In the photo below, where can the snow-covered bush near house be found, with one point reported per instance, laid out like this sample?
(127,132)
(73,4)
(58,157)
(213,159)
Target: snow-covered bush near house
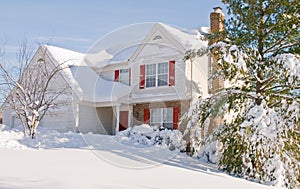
(210,151)
(258,137)
(256,142)
(147,135)
(259,144)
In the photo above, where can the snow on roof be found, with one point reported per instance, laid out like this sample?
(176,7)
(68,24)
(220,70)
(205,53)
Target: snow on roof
(120,45)
(94,88)
(188,39)
(66,56)
(84,81)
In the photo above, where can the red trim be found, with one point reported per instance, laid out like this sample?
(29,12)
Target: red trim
(147,115)
(117,73)
(142,76)
(171,72)
(175,117)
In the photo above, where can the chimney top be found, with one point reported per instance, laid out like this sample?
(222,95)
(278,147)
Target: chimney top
(218,9)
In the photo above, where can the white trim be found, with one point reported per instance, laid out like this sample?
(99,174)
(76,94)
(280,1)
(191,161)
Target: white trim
(118,118)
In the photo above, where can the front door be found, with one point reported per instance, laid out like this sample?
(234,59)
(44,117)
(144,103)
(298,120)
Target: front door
(123,124)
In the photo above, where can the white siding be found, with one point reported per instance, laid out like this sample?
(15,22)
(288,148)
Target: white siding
(9,118)
(62,119)
(88,119)
(199,77)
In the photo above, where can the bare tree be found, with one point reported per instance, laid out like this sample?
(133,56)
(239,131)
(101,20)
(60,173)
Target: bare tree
(28,86)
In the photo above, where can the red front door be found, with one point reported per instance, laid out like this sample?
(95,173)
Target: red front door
(123,124)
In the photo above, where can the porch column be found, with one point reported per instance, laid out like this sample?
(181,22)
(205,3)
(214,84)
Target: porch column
(130,117)
(118,118)
(77,117)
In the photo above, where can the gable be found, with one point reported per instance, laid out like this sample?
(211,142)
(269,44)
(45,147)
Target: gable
(158,43)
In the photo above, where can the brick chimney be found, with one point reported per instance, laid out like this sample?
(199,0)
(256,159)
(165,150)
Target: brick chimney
(216,25)
(217,20)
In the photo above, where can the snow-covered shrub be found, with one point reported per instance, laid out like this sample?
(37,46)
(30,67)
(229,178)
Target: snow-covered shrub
(255,147)
(147,135)
(258,137)
(210,151)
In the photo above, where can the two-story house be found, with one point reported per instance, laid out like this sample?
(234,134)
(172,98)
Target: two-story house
(121,83)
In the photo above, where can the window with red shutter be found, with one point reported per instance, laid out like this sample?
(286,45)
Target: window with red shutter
(175,117)
(171,72)
(117,73)
(142,76)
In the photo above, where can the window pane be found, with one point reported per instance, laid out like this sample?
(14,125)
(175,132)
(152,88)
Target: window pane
(123,70)
(163,68)
(162,117)
(168,115)
(150,81)
(151,69)
(155,115)
(163,80)
(124,76)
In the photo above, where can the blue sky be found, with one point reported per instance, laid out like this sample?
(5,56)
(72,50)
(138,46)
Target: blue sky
(77,24)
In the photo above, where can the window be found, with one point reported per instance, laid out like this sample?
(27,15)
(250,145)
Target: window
(124,76)
(162,75)
(157,75)
(162,117)
(151,75)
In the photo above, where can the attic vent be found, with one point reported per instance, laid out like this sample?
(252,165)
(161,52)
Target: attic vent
(40,60)
(158,37)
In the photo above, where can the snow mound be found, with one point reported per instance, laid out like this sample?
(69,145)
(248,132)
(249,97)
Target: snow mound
(150,136)
(142,129)
(14,139)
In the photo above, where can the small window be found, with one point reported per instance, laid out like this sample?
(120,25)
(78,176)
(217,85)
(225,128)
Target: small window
(162,117)
(151,75)
(124,76)
(162,75)
(157,75)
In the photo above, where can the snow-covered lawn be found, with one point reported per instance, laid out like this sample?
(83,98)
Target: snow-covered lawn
(70,160)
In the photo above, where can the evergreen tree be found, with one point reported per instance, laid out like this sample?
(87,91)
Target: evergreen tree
(259,59)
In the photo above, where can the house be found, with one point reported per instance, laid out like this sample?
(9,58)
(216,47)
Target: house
(136,75)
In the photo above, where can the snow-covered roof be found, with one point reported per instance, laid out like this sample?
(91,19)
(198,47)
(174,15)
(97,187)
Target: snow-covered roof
(65,56)
(188,39)
(84,81)
(94,88)
(120,45)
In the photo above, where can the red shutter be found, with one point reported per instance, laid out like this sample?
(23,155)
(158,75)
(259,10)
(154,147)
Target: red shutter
(175,117)
(117,73)
(171,72)
(129,77)
(147,115)
(142,76)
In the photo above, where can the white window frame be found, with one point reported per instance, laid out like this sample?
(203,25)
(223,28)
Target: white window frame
(162,119)
(122,78)
(156,74)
